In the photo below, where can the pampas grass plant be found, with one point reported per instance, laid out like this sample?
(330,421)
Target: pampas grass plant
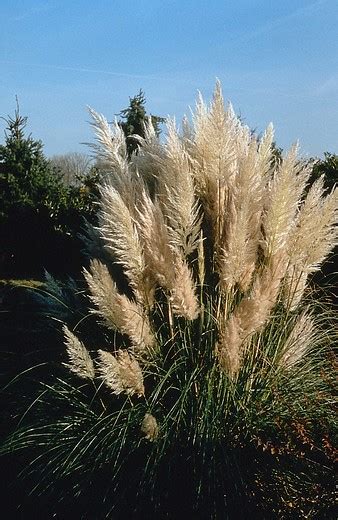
(209,375)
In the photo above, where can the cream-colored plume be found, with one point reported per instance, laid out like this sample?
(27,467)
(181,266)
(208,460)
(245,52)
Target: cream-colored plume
(164,261)
(149,157)
(121,372)
(282,202)
(201,260)
(119,233)
(312,239)
(265,155)
(183,294)
(242,227)
(110,148)
(149,427)
(213,158)
(80,362)
(117,310)
(250,315)
(299,341)
(112,159)
(155,242)
(176,193)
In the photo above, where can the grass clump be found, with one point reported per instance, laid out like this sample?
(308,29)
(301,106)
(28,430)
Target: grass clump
(209,373)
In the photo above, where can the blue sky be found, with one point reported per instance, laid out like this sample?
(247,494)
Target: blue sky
(278,61)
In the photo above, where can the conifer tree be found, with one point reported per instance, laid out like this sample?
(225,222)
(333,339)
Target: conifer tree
(327,167)
(26,176)
(31,192)
(135,118)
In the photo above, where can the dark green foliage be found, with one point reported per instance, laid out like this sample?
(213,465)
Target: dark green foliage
(31,196)
(277,154)
(81,203)
(328,276)
(327,167)
(135,118)
(27,181)
(40,217)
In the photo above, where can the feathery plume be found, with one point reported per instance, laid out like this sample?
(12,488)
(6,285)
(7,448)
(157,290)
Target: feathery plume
(282,202)
(121,373)
(118,312)
(156,243)
(317,232)
(177,193)
(149,157)
(80,362)
(228,347)
(119,232)
(165,263)
(265,152)
(136,325)
(242,227)
(250,315)
(104,294)
(112,157)
(255,309)
(149,427)
(187,132)
(110,148)
(299,341)
(212,155)
(183,295)
(312,239)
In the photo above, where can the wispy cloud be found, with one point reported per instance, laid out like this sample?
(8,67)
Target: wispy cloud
(81,69)
(328,86)
(275,23)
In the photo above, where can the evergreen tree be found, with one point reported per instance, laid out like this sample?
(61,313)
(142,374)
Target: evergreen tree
(31,198)
(135,117)
(26,177)
(329,168)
